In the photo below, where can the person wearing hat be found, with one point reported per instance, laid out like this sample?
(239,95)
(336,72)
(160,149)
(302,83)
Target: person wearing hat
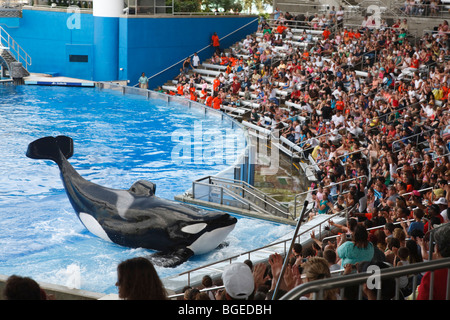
(238,281)
(433,211)
(438,193)
(416,200)
(443,206)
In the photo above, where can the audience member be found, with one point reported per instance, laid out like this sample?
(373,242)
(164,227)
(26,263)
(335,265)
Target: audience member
(23,288)
(137,279)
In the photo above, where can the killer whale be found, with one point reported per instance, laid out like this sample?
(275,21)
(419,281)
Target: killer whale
(135,218)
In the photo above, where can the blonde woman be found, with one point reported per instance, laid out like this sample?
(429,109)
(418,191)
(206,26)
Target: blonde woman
(316,268)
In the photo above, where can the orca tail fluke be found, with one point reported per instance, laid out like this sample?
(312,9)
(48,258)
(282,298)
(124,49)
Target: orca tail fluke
(170,259)
(49,148)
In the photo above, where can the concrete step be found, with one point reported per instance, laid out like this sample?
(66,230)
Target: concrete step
(12,65)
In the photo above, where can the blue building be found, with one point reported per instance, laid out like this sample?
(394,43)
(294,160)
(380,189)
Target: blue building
(104,44)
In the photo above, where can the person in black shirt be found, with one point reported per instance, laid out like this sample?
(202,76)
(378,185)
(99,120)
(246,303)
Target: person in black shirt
(327,112)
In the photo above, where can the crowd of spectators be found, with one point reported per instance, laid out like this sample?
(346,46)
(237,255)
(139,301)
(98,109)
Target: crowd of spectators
(424,7)
(369,106)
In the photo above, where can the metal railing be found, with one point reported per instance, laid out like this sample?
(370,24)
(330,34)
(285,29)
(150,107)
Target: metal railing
(199,51)
(327,186)
(8,43)
(318,287)
(389,272)
(421,10)
(238,194)
(12,4)
(158,7)
(368,230)
(395,147)
(248,254)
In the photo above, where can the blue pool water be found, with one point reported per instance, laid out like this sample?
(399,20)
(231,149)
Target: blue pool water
(117,140)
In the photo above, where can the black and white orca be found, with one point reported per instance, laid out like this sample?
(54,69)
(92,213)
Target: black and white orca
(136,218)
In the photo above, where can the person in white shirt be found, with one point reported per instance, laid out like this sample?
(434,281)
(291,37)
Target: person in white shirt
(296,130)
(338,119)
(337,93)
(340,17)
(195,60)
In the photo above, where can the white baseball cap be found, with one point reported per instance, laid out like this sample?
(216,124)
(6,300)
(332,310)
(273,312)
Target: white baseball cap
(441,201)
(238,280)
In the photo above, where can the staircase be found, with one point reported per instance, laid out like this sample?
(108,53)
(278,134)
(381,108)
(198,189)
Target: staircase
(12,57)
(237,195)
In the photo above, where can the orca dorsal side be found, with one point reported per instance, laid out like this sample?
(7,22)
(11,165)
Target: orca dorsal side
(143,188)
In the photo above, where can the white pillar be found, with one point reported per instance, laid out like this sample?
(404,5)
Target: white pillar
(106,39)
(108,8)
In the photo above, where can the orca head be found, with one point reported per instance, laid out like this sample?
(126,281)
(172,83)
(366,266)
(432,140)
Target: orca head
(210,233)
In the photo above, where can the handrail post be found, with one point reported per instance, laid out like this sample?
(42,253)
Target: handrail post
(286,258)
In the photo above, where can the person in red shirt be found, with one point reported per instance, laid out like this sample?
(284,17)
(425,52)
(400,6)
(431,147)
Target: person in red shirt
(180,89)
(216,84)
(215,42)
(191,88)
(415,62)
(340,105)
(442,238)
(305,55)
(235,86)
(351,34)
(209,101)
(281,28)
(326,33)
(217,102)
(224,60)
(203,95)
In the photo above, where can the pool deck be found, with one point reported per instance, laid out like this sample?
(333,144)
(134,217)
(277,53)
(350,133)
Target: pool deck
(49,80)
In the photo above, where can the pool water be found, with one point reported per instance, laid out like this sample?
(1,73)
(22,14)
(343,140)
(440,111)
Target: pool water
(117,141)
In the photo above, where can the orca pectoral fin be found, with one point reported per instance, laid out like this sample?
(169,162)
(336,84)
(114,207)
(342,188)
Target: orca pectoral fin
(171,259)
(223,245)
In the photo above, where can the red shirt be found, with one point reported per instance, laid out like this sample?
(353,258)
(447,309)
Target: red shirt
(440,285)
(216,84)
(236,86)
(215,40)
(281,28)
(216,103)
(209,101)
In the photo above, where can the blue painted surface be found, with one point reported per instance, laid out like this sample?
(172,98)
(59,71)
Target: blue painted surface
(106,44)
(155,44)
(10,22)
(139,45)
(44,35)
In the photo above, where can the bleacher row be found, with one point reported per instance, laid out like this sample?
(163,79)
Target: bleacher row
(295,38)
(209,71)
